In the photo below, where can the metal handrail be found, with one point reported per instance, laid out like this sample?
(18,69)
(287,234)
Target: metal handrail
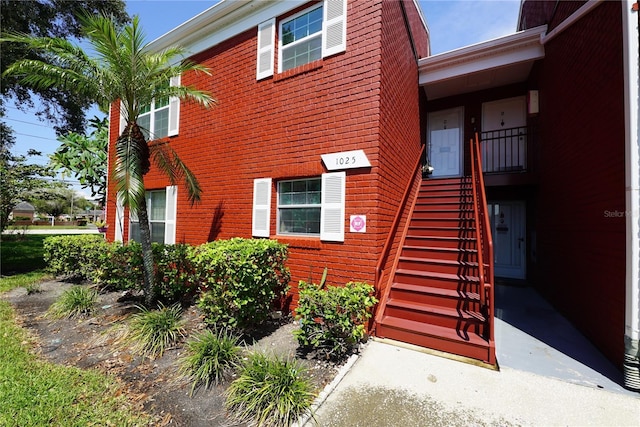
(484,238)
(394,225)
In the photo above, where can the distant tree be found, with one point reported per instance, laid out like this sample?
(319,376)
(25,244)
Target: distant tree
(85,158)
(54,199)
(49,18)
(123,69)
(17,177)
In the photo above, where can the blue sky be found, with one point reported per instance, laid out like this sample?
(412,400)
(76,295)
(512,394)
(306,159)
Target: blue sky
(452,24)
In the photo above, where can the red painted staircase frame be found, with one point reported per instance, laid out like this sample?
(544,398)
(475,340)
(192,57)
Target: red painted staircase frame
(441,293)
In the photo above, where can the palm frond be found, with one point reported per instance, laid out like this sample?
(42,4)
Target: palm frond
(129,166)
(168,161)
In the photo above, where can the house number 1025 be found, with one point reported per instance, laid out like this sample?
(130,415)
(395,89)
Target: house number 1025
(345,160)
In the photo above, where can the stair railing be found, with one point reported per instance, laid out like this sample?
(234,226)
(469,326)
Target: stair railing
(392,233)
(483,235)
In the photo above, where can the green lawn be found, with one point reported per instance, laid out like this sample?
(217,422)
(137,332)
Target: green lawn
(37,393)
(21,253)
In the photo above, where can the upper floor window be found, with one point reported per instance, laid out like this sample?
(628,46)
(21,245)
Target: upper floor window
(301,39)
(315,33)
(154,119)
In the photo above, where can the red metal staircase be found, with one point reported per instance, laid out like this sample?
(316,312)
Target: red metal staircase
(439,298)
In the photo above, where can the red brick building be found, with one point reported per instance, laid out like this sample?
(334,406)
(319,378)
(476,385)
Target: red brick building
(325,112)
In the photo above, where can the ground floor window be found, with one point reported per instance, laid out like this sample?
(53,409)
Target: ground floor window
(299,206)
(161,207)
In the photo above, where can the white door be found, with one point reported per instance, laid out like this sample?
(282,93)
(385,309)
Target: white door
(445,143)
(509,238)
(503,148)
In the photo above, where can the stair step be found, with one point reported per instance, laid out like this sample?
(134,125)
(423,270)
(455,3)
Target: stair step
(435,337)
(450,298)
(463,268)
(436,315)
(443,222)
(441,241)
(437,280)
(452,254)
(430,230)
(438,197)
(425,205)
(443,213)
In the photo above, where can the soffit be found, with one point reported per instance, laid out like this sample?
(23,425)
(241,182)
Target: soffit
(486,65)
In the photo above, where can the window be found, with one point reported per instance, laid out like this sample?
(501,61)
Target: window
(161,208)
(301,39)
(299,206)
(154,119)
(306,207)
(160,118)
(310,35)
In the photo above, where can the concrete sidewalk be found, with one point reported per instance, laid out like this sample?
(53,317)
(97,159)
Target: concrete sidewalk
(550,375)
(395,386)
(54,231)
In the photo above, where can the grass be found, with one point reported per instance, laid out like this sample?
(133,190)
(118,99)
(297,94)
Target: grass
(270,391)
(75,301)
(209,356)
(37,393)
(22,253)
(151,332)
(24,280)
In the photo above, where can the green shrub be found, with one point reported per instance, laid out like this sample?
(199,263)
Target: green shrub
(241,279)
(120,267)
(75,301)
(209,357)
(175,272)
(151,332)
(269,391)
(75,255)
(333,321)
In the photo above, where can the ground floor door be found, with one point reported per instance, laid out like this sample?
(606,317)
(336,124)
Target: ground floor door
(445,142)
(509,238)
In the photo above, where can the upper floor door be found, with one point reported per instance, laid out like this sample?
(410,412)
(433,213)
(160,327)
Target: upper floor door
(504,145)
(445,134)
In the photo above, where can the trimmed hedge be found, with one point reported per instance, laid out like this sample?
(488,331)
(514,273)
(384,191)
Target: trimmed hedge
(78,256)
(240,280)
(333,320)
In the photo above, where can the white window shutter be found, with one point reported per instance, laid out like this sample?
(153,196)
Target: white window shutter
(261,224)
(171,211)
(119,224)
(174,109)
(266,36)
(334,27)
(123,120)
(332,212)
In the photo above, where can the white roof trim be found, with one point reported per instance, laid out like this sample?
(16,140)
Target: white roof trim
(512,49)
(221,22)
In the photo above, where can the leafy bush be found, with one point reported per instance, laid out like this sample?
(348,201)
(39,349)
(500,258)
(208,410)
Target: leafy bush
(175,272)
(120,267)
(269,391)
(75,301)
(151,332)
(209,356)
(333,321)
(241,278)
(75,255)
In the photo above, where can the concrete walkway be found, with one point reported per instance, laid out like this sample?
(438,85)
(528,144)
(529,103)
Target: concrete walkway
(549,375)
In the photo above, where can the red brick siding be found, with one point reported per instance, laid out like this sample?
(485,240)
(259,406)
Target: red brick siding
(278,127)
(581,251)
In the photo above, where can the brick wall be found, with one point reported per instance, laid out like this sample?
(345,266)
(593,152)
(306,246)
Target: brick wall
(278,127)
(581,249)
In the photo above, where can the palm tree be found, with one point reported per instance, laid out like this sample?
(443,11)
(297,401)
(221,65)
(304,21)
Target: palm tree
(123,68)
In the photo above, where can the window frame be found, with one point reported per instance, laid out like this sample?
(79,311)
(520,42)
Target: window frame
(168,223)
(280,207)
(320,34)
(152,120)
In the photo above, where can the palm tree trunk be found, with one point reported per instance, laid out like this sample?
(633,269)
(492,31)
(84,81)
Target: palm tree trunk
(149,288)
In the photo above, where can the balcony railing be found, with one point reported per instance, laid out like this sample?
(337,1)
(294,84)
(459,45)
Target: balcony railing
(507,150)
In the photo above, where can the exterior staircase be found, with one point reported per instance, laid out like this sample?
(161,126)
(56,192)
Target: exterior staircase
(435,298)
